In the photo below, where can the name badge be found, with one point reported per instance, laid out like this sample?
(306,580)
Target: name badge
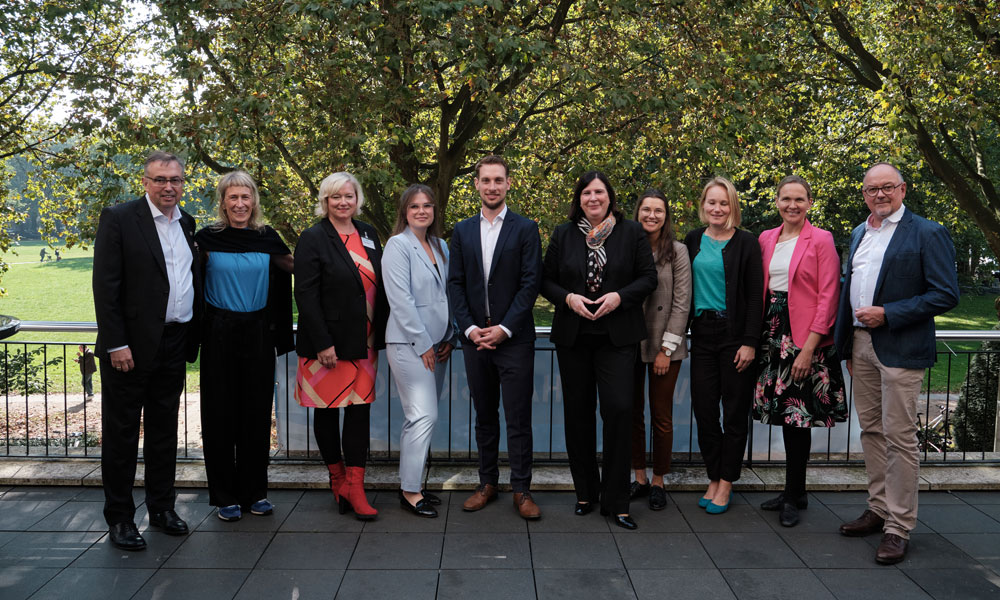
(368,243)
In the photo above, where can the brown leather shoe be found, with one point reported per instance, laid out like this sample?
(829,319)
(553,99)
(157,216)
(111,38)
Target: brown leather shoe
(483,495)
(867,524)
(892,549)
(526,507)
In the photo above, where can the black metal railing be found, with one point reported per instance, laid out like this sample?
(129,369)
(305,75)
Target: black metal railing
(46,414)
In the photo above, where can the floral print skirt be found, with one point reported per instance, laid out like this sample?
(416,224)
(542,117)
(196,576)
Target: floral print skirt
(816,401)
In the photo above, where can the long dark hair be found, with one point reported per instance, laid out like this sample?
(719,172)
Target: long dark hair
(434,231)
(663,248)
(576,211)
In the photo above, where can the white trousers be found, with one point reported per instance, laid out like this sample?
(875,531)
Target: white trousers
(419,390)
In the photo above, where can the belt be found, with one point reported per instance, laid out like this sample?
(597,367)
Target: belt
(713,314)
(215,311)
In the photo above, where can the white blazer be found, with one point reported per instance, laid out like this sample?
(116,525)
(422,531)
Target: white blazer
(419,314)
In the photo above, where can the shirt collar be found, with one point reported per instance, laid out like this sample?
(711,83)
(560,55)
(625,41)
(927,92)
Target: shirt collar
(500,217)
(894,218)
(156,211)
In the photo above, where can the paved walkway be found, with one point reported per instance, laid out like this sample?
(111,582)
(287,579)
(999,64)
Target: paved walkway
(53,544)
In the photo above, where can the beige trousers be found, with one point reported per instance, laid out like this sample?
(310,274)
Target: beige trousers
(886,401)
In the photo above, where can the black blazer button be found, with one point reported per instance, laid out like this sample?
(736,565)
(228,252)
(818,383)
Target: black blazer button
(659,308)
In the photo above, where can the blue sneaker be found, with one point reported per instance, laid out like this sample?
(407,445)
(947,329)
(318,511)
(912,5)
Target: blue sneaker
(230,513)
(262,507)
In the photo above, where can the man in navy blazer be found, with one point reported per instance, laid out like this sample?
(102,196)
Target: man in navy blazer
(493,279)
(900,275)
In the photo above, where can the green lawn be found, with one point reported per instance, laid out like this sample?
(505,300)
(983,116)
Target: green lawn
(61,291)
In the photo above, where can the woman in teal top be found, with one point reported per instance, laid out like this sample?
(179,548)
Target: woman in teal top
(725,331)
(248,319)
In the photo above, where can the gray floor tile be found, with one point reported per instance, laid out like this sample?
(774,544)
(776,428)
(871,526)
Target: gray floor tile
(739,517)
(680,584)
(46,549)
(398,551)
(689,499)
(829,550)
(19,515)
(668,520)
(992,510)
(749,551)
(192,584)
(486,551)
(96,494)
(379,585)
(654,551)
(927,551)
(317,499)
(42,493)
(74,516)
(6,536)
(875,582)
(956,584)
(297,585)
(484,584)
(394,518)
(104,555)
(562,519)
(94,584)
(309,551)
(248,522)
(287,498)
(936,498)
(216,550)
(984,547)
(498,517)
(976,497)
(192,495)
(815,519)
(547,498)
(574,551)
(776,584)
(19,581)
(560,584)
(958,519)
(314,518)
(831,498)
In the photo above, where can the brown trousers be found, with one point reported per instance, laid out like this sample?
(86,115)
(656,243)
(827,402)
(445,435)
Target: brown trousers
(661,416)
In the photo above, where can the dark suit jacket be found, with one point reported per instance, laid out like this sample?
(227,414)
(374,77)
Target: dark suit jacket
(130,282)
(630,271)
(917,281)
(331,297)
(514,276)
(744,284)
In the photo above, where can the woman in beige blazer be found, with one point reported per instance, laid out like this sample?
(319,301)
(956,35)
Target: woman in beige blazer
(666,311)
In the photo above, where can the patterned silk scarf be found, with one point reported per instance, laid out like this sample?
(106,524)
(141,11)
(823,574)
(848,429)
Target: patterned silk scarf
(596,256)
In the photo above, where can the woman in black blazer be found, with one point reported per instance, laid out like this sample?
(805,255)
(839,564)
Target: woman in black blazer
(342,316)
(728,285)
(598,269)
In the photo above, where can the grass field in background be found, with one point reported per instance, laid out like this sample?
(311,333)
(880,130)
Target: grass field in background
(61,291)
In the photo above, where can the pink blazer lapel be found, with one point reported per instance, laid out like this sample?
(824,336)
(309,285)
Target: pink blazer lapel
(801,246)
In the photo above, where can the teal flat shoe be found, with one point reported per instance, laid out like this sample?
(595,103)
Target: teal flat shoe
(703,502)
(715,509)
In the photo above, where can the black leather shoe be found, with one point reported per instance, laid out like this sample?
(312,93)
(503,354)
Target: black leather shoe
(423,508)
(432,498)
(126,536)
(789,516)
(169,522)
(777,502)
(625,522)
(657,498)
(583,508)
(638,490)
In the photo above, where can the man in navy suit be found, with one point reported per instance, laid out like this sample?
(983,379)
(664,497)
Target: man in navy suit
(493,280)
(901,273)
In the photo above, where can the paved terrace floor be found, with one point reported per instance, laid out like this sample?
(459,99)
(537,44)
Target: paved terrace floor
(53,544)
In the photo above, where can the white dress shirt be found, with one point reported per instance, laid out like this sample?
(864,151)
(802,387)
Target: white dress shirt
(868,258)
(781,264)
(489,233)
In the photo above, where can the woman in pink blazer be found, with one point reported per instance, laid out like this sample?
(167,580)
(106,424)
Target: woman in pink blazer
(800,385)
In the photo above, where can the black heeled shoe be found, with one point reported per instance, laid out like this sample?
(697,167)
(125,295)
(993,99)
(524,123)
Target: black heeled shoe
(583,508)
(423,508)
(625,522)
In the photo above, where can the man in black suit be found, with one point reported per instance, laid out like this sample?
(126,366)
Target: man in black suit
(147,290)
(493,279)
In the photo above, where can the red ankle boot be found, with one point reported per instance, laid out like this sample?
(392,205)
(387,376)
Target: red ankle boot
(337,477)
(352,495)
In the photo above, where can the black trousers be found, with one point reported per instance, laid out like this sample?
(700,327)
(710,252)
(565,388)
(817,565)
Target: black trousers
(237,392)
(150,392)
(326,429)
(798,442)
(509,368)
(714,378)
(589,369)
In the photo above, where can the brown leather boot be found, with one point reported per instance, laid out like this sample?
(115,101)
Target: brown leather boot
(526,507)
(483,495)
(352,495)
(337,477)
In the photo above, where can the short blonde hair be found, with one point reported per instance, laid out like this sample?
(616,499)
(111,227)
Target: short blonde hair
(734,219)
(237,179)
(331,185)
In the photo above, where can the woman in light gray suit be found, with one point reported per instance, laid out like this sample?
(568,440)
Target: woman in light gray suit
(420,334)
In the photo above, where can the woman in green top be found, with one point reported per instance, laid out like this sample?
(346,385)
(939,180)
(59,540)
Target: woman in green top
(725,331)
